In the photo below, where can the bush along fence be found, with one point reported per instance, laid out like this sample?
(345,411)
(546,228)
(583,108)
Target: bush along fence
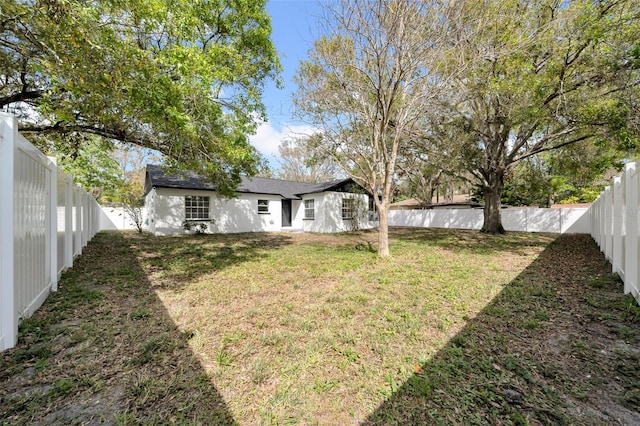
(615,224)
(45,221)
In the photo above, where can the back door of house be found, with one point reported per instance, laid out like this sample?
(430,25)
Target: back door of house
(286,212)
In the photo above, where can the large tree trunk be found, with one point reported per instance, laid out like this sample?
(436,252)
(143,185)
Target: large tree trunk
(383,231)
(492,193)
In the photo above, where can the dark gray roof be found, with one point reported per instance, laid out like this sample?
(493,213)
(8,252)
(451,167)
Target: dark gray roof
(157,178)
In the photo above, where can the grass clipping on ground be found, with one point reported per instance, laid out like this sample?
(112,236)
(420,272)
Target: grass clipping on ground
(456,327)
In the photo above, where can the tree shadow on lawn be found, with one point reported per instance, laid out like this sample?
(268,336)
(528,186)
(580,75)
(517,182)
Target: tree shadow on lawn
(104,349)
(559,345)
(181,259)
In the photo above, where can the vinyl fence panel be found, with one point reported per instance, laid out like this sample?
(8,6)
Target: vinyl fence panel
(519,220)
(32,227)
(44,222)
(617,255)
(615,226)
(8,323)
(632,238)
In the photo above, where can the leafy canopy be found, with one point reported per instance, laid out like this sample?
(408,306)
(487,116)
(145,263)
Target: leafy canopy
(183,77)
(535,77)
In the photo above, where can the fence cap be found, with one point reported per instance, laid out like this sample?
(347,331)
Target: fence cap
(571,206)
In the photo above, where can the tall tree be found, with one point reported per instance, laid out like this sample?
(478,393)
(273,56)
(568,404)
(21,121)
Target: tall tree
(299,163)
(183,77)
(93,166)
(367,83)
(132,161)
(420,176)
(575,173)
(536,76)
(130,194)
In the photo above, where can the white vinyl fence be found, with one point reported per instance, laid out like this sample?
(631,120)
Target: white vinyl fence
(45,220)
(563,220)
(117,218)
(615,225)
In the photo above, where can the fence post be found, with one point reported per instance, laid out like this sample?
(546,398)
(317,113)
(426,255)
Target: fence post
(594,214)
(8,320)
(603,222)
(631,240)
(596,218)
(600,220)
(90,212)
(96,218)
(609,223)
(68,218)
(85,219)
(53,222)
(616,261)
(77,200)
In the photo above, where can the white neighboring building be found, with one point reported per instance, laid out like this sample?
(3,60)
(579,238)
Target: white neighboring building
(260,204)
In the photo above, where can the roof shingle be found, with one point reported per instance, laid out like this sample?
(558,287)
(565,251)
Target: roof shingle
(256,185)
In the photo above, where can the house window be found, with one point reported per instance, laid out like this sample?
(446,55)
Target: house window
(309,209)
(263,206)
(196,207)
(348,205)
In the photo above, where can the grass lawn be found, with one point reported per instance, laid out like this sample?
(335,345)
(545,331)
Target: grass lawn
(456,327)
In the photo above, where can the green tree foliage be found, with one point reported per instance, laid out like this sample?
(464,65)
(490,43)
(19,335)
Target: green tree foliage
(578,173)
(528,183)
(423,174)
(177,76)
(419,177)
(93,166)
(574,173)
(534,77)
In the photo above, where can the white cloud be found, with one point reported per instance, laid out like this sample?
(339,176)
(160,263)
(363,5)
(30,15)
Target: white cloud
(267,138)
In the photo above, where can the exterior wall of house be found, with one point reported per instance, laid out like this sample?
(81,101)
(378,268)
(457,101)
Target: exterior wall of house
(297,215)
(149,219)
(241,214)
(229,215)
(328,213)
(166,212)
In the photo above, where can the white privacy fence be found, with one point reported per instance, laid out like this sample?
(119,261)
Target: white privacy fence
(45,220)
(571,220)
(615,224)
(118,218)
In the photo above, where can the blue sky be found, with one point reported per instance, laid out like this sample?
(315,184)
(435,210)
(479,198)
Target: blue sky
(294,29)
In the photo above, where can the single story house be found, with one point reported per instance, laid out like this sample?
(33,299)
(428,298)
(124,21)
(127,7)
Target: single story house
(176,202)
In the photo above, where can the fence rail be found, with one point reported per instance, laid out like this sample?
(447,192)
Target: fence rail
(615,226)
(45,220)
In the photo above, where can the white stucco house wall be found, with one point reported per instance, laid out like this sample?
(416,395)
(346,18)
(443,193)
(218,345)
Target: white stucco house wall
(259,205)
